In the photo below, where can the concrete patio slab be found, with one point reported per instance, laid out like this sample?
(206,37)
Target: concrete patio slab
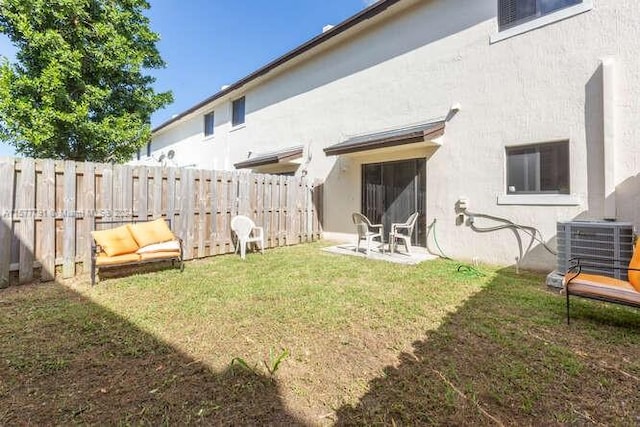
(417,256)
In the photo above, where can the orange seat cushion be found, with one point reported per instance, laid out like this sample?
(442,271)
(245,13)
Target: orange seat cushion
(149,233)
(634,276)
(596,286)
(104,260)
(116,241)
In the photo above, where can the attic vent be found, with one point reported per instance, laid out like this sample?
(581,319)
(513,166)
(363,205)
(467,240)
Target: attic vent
(605,244)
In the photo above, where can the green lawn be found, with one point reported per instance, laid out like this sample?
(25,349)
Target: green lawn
(360,342)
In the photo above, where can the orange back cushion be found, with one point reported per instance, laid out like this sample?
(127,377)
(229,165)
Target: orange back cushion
(634,276)
(149,233)
(117,241)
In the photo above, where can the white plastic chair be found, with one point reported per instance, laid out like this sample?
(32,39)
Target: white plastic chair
(246,232)
(402,231)
(367,231)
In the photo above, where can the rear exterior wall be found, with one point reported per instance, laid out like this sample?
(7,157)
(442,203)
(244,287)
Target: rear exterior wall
(535,87)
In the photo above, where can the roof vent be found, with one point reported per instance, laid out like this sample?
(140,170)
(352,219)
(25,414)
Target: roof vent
(223,87)
(327,28)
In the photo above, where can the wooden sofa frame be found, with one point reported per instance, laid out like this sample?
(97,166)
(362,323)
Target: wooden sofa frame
(96,249)
(575,268)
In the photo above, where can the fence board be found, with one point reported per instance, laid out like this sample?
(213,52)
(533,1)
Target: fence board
(309,237)
(117,191)
(25,205)
(143,192)
(202,217)
(228,208)
(259,200)
(268,210)
(292,211)
(48,237)
(232,191)
(106,210)
(242,197)
(87,207)
(186,211)
(298,211)
(157,192)
(171,197)
(69,221)
(215,209)
(282,212)
(7,172)
(220,200)
(127,193)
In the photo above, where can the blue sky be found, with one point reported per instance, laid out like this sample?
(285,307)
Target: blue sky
(210,43)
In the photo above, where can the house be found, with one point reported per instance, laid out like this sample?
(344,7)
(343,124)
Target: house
(524,110)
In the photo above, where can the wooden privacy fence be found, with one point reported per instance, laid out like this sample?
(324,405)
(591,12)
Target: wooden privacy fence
(48,208)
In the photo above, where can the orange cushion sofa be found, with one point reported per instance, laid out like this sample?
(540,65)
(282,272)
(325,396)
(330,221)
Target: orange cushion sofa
(134,242)
(603,288)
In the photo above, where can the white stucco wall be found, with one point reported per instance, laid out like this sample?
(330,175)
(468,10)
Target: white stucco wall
(535,87)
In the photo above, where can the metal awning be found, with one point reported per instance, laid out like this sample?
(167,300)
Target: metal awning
(391,138)
(274,157)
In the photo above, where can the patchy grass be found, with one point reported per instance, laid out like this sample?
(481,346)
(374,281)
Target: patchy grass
(315,338)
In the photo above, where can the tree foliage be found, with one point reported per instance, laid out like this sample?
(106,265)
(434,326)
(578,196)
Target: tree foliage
(79,89)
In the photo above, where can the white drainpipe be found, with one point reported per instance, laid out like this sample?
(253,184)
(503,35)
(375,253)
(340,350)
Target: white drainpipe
(609,122)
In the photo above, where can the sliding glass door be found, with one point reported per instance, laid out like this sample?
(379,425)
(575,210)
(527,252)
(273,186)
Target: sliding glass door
(392,191)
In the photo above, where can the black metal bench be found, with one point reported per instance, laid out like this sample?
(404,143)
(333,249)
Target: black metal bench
(599,287)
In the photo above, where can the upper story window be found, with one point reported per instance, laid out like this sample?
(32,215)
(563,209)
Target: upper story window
(515,12)
(237,112)
(538,169)
(209,124)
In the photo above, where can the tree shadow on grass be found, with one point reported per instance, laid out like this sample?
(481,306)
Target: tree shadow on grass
(507,356)
(66,360)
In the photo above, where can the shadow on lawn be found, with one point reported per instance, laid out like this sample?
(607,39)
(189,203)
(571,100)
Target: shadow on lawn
(507,356)
(66,360)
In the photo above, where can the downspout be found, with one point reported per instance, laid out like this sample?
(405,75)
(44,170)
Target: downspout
(609,136)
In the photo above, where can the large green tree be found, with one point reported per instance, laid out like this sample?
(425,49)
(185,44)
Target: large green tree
(79,89)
